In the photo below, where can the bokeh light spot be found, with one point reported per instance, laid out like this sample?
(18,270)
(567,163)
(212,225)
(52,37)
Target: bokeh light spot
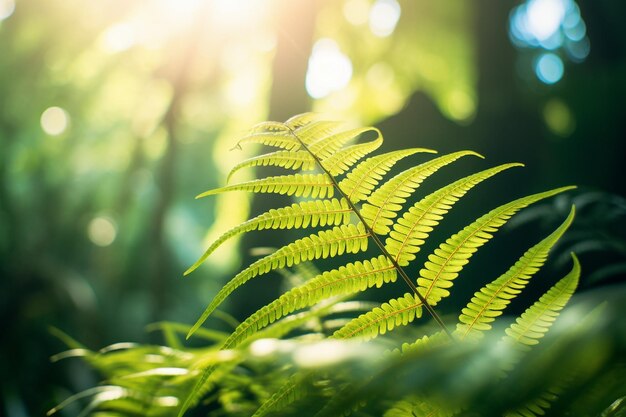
(577,32)
(356,11)
(237,14)
(460,105)
(119,37)
(326,353)
(102,231)
(550,25)
(380,75)
(241,91)
(54,121)
(166,401)
(384,16)
(544,17)
(549,68)
(578,51)
(559,118)
(7,7)
(329,69)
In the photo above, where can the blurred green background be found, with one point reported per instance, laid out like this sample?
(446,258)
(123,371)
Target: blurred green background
(114,115)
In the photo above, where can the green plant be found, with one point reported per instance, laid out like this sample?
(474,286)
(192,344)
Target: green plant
(381,220)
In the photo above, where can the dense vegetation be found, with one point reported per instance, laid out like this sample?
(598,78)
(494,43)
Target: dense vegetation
(274,362)
(115,114)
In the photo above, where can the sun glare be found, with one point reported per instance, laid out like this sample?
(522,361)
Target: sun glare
(237,14)
(119,37)
(329,69)
(152,24)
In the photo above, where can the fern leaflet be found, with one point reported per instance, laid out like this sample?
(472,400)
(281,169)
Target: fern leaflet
(361,181)
(382,205)
(312,132)
(538,318)
(444,265)
(397,312)
(299,185)
(298,215)
(285,159)
(341,161)
(326,146)
(488,303)
(454,254)
(411,230)
(347,279)
(343,239)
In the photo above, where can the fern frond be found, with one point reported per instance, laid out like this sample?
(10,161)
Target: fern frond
(343,239)
(299,215)
(286,324)
(420,407)
(302,119)
(537,319)
(269,127)
(326,146)
(426,343)
(383,204)
(491,300)
(272,134)
(300,185)
(290,392)
(341,161)
(279,329)
(397,312)
(360,182)
(444,265)
(284,159)
(535,407)
(312,132)
(347,279)
(411,230)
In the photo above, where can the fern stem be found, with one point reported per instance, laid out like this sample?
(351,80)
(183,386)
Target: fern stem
(376,239)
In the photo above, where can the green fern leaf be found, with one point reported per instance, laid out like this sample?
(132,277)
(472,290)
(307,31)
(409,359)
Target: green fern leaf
(538,318)
(348,279)
(328,145)
(300,185)
(411,230)
(386,201)
(320,130)
(290,392)
(397,312)
(360,182)
(341,161)
(422,407)
(299,215)
(285,159)
(212,374)
(302,119)
(272,134)
(444,265)
(269,127)
(425,343)
(535,407)
(328,243)
(491,300)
